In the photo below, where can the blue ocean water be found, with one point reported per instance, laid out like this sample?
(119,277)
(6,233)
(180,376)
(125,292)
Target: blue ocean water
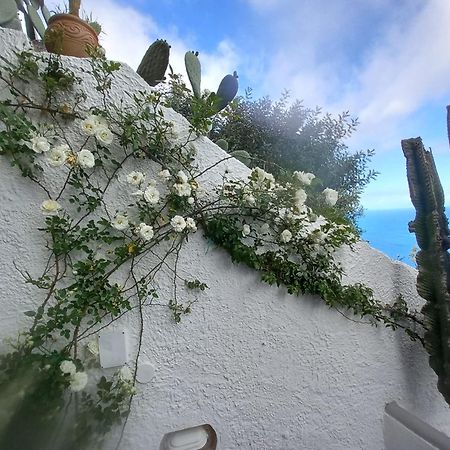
(387,230)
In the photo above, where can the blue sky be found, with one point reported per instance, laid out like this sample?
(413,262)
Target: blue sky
(386,61)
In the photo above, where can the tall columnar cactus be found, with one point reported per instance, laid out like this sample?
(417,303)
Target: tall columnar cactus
(154,63)
(8,15)
(30,9)
(227,90)
(433,260)
(33,21)
(194,72)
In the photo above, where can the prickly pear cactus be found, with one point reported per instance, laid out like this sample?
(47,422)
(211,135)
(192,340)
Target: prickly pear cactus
(194,72)
(8,15)
(227,90)
(154,63)
(433,260)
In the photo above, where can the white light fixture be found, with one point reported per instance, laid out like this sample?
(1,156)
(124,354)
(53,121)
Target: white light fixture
(202,437)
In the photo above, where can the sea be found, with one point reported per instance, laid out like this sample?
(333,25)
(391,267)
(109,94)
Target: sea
(387,230)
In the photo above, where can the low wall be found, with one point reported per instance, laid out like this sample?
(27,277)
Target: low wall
(267,370)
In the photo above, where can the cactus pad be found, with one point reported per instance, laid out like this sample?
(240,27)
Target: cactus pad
(154,63)
(8,12)
(227,90)
(194,71)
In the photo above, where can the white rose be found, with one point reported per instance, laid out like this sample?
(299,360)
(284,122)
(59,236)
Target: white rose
(89,126)
(164,174)
(125,374)
(300,197)
(331,196)
(249,199)
(286,236)
(57,155)
(120,222)
(246,230)
(178,223)
(104,135)
(182,176)
(151,195)
(50,207)
(78,381)
(182,189)
(135,178)
(68,367)
(304,178)
(145,231)
(85,159)
(190,224)
(39,144)
(191,200)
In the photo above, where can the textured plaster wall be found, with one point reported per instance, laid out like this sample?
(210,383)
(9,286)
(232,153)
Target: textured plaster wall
(265,369)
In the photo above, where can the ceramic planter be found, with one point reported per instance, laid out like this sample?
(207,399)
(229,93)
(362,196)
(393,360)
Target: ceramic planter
(68,35)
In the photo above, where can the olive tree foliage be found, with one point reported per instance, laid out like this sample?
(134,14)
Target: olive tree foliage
(284,136)
(288,136)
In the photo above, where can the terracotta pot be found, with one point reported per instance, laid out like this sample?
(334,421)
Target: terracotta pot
(67,34)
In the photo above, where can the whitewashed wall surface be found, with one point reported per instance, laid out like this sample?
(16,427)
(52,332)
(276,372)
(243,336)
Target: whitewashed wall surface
(267,370)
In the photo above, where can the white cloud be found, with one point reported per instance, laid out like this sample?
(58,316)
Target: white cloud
(381,59)
(128,34)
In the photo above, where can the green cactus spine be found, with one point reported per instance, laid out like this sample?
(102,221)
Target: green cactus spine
(194,71)
(433,261)
(154,63)
(227,90)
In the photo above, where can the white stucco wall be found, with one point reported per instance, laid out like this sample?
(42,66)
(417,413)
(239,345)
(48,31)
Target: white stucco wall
(265,369)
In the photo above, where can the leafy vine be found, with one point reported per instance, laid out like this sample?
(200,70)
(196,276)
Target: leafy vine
(103,260)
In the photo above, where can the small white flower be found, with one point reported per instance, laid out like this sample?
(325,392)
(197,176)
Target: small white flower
(39,144)
(85,159)
(89,126)
(145,231)
(68,367)
(164,174)
(300,198)
(191,225)
(125,374)
(50,207)
(182,189)
(331,196)
(151,195)
(286,236)
(304,177)
(104,135)
(78,381)
(191,200)
(135,178)
(57,155)
(178,223)
(182,177)
(246,230)
(120,222)
(249,199)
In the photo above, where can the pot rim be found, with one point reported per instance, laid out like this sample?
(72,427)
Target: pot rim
(74,18)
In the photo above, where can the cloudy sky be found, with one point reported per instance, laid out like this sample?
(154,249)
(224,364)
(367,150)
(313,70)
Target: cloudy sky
(386,61)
